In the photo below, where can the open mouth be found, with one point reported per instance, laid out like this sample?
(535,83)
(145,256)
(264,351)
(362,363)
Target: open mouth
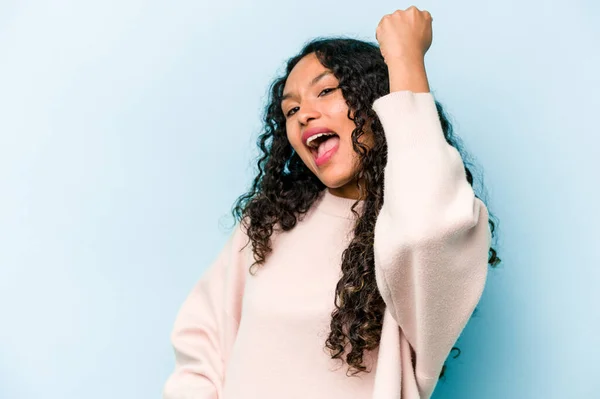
(322,148)
(322,144)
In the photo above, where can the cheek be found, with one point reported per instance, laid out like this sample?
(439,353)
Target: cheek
(339,107)
(339,110)
(294,141)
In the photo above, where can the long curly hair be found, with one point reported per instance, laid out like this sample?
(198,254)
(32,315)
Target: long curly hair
(284,189)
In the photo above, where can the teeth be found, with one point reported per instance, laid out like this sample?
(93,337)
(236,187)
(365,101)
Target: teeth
(311,139)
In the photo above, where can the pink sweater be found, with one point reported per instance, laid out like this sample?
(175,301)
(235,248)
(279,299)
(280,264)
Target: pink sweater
(239,336)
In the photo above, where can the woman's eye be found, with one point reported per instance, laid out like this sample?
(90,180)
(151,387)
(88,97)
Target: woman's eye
(324,90)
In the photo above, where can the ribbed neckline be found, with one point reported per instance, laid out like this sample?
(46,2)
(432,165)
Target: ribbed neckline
(337,206)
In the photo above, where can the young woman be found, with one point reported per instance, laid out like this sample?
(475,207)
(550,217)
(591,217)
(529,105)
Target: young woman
(369,245)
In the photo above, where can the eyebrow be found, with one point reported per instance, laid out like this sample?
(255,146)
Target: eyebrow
(312,83)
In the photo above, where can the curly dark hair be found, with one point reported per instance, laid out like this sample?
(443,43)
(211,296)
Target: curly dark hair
(285,189)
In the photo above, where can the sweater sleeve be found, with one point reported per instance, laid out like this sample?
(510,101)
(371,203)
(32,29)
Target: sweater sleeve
(206,326)
(432,236)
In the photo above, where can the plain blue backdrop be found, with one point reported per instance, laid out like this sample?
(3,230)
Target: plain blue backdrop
(128,128)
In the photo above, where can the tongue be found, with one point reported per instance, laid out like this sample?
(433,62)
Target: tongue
(327,145)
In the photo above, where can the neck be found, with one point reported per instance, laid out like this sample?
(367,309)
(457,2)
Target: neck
(349,190)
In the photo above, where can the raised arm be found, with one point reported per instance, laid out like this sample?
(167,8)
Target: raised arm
(206,326)
(431,236)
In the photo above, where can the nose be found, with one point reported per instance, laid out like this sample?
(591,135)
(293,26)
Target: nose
(306,113)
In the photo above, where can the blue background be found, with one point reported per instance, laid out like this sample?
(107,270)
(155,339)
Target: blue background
(128,128)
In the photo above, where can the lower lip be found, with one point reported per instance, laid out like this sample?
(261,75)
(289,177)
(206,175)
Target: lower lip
(327,156)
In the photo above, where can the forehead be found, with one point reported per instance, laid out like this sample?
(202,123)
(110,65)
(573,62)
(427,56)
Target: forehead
(306,72)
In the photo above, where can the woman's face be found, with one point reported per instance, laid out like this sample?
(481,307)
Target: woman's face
(312,99)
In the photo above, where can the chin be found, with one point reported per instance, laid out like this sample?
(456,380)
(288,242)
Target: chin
(336,177)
